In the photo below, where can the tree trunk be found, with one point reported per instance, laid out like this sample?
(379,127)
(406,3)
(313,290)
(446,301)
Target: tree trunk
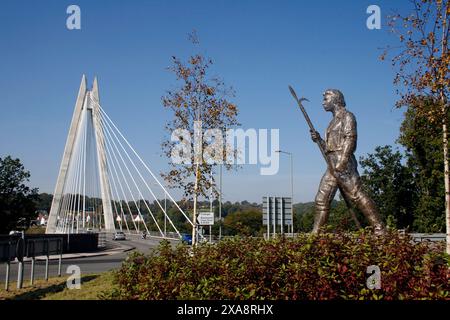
(446,177)
(443,99)
(194,214)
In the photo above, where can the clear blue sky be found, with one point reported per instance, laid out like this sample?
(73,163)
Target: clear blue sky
(259,47)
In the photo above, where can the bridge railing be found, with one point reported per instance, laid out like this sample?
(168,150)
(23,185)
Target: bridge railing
(429,237)
(17,247)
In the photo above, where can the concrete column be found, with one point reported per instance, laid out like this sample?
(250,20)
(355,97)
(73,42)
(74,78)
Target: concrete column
(68,150)
(105,187)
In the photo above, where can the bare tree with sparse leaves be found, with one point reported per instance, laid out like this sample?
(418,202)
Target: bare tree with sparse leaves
(198,98)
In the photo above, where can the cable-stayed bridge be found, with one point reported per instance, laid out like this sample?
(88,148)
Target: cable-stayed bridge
(103,183)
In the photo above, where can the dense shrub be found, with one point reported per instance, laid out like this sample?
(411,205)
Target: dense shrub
(327,266)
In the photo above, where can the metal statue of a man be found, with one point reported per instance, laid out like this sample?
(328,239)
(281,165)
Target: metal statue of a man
(339,146)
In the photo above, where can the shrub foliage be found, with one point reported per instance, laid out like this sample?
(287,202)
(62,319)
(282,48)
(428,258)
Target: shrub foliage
(326,266)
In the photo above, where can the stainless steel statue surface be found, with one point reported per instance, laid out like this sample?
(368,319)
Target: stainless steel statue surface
(338,147)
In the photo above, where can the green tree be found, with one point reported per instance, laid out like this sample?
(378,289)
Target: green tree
(422,61)
(17,200)
(390,184)
(304,220)
(243,223)
(44,202)
(340,217)
(423,144)
(339,220)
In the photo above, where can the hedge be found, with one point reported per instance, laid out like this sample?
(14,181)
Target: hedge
(308,267)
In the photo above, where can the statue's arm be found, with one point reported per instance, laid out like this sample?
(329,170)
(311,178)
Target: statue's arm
(349,143)
(318,139)
(323,144)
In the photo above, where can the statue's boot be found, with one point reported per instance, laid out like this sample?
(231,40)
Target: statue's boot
(321,218)
(368,207)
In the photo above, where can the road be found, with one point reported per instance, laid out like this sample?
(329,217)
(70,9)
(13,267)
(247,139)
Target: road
(87,264)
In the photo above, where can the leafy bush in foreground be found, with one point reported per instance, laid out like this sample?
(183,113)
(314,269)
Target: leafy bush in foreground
(326,266)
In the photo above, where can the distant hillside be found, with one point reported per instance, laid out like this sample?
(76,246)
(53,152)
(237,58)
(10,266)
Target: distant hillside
(303,207)
(45,200)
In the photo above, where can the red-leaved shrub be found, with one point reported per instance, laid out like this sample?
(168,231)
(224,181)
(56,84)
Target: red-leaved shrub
(325,266)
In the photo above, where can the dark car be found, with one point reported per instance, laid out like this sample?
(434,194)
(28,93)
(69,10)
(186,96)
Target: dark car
(186,238)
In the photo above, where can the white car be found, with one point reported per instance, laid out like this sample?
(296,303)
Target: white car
(119,236)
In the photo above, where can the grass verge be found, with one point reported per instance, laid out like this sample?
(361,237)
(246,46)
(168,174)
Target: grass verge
(92,286)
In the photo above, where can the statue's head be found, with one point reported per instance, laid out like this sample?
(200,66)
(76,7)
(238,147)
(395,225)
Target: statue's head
(332,99)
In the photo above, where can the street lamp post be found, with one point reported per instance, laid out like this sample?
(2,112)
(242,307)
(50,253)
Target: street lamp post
(165,214)
(220,202)
(292,185)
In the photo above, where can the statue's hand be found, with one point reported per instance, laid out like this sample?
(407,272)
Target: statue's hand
(315,136)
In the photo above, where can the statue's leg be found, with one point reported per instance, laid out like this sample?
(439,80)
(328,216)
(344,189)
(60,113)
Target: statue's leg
(354,190)
(325,194)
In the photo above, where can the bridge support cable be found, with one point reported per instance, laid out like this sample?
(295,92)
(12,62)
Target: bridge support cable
(114,162)
(114,137)
(107,129)
(117,181)
(110,151)
(113,128)
(111,124)
(103,182)
(70,187)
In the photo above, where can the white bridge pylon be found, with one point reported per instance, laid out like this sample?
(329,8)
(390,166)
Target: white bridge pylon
(103,184)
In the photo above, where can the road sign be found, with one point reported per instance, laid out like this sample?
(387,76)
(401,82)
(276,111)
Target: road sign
(205,218)
(279,208)
(277,211)
(8,250)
